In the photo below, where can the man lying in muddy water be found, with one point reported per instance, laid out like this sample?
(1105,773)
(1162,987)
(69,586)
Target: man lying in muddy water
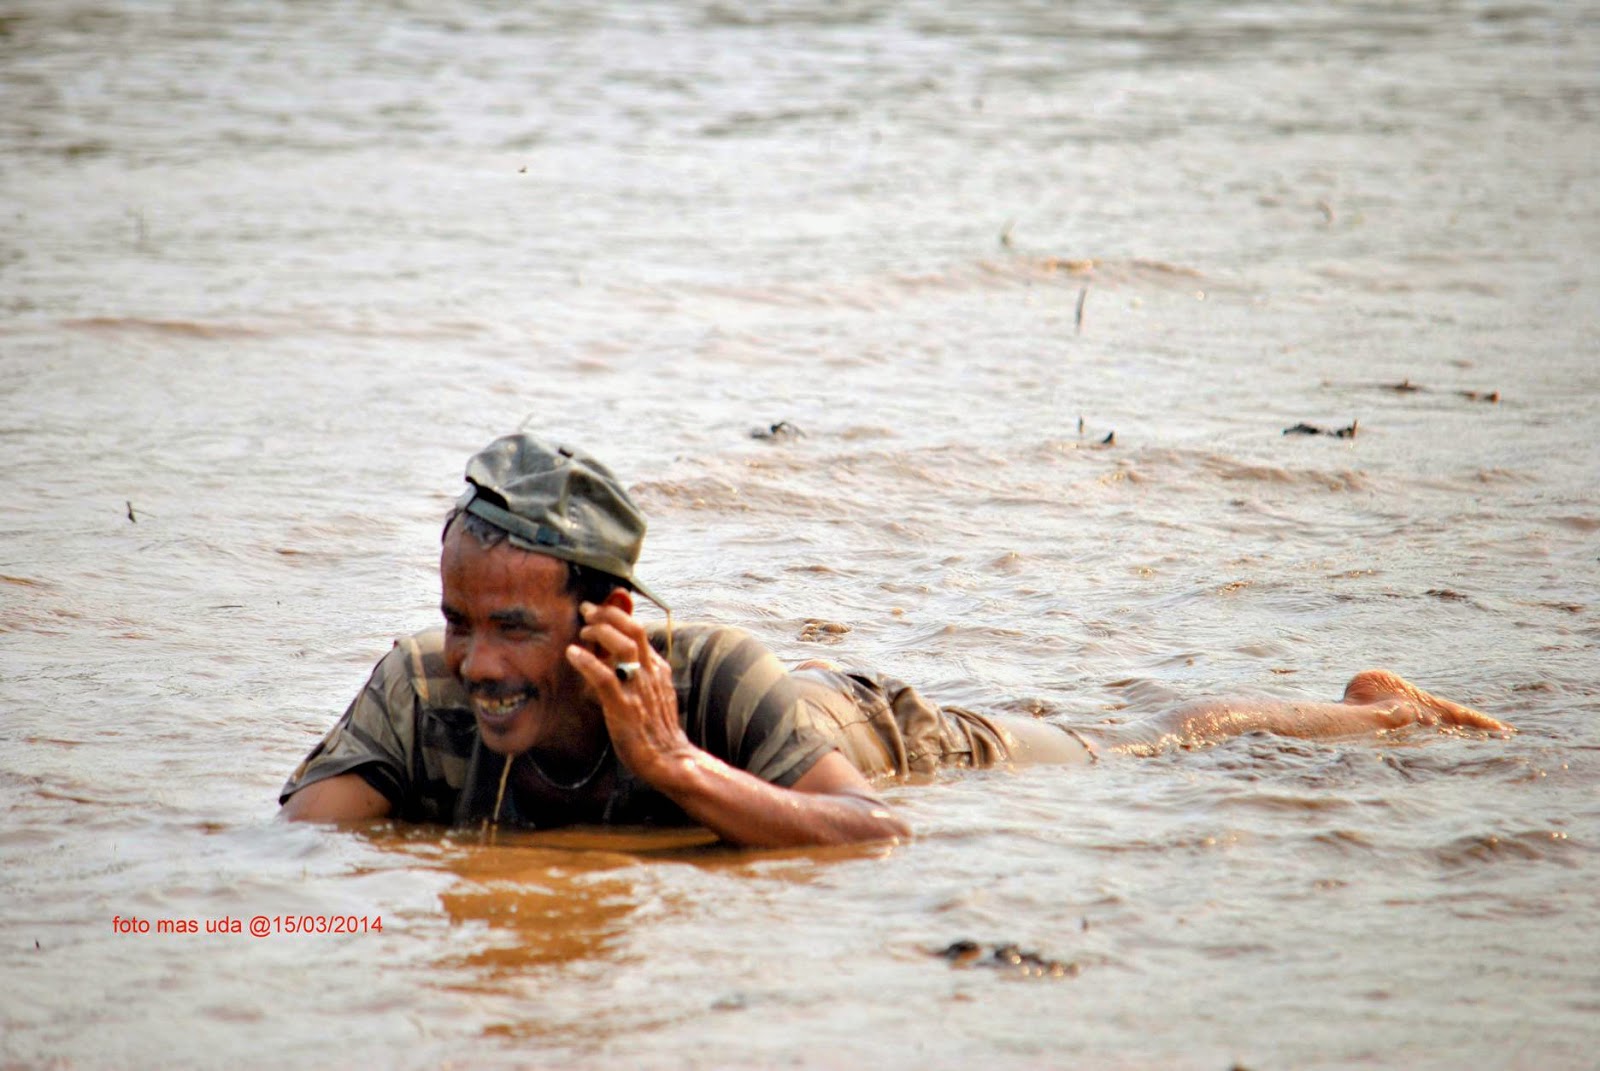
(545,702)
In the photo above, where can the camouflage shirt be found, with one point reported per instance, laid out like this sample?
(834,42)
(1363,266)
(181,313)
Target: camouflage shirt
(411,734)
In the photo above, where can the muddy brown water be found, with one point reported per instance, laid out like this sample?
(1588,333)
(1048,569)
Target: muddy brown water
(269,273)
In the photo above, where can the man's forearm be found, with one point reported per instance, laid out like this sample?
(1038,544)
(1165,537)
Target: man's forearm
(743,809)
(829,804)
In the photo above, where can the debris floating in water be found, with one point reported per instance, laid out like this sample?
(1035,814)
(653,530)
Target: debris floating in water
(1110,438)
(1008,957)
(819,631)
(1312,429)
(781,430)
(1405,386)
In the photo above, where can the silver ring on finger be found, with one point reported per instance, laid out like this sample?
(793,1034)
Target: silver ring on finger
(626,671)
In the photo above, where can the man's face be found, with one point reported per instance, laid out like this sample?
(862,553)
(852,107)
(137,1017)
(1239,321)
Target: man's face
(508,622)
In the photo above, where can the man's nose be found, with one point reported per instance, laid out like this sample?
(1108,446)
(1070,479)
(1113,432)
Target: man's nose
(481,661)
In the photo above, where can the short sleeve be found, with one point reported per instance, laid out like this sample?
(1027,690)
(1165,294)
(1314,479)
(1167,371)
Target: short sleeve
(374,736)
(738,702)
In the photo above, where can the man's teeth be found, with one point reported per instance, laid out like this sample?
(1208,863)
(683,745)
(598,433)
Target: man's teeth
(499,708)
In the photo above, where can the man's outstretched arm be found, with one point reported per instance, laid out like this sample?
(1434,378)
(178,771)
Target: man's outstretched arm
(830,804)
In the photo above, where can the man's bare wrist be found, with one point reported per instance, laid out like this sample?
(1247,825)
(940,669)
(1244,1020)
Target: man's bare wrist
(677,771)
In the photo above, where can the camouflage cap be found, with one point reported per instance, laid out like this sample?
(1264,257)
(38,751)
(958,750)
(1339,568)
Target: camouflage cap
(557,501)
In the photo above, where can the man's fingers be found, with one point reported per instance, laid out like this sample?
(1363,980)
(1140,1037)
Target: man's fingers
(599,674)
(616,630)
(653,676)
(612,641)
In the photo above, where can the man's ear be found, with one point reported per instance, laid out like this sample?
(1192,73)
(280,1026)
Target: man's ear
(621,598)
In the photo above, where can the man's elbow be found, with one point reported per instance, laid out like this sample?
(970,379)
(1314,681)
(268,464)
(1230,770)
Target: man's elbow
(303,807)
(896,829)
(881,823)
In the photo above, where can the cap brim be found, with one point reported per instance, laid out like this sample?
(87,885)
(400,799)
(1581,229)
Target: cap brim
(647,593)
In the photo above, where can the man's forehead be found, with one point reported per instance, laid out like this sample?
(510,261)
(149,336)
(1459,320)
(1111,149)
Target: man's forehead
(467,562)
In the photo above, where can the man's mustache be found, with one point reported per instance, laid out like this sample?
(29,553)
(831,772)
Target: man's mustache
(497,690)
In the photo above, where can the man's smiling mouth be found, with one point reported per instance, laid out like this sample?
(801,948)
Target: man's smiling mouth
(496,711)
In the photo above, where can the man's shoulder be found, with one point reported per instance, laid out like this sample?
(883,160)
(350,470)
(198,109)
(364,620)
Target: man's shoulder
(720,671)
(417,663)
(704,648)
(737,701)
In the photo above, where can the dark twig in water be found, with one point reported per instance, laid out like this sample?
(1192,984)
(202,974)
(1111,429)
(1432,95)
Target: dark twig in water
(1077,317)
(140,231)
(1312,429)
(1405,386)
(1109,440)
